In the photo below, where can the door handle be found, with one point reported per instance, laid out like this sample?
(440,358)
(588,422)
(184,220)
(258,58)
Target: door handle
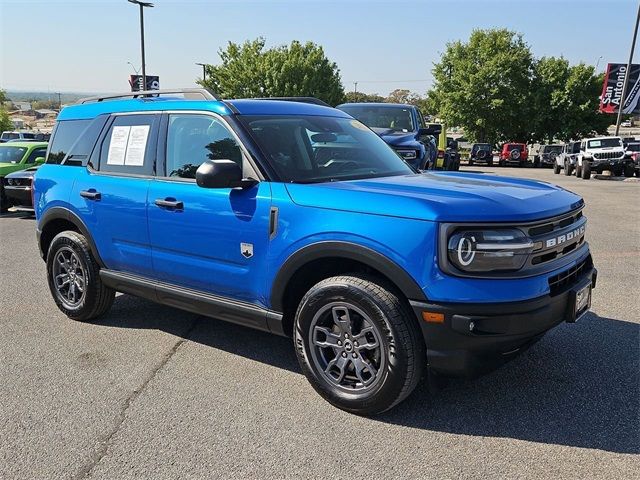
(90,194)
(170,204)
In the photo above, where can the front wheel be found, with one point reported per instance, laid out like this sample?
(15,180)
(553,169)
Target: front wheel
(358,344)
(567,168)
(556,169)
(629,170)
(586,171)
(74,278)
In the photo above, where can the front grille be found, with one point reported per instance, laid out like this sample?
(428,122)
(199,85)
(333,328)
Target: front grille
(557,237)
(563,280)
(608,155)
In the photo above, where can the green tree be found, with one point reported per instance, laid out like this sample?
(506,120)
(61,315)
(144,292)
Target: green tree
(5,121)
(360,97)
(565,101)
(482,85)
(250,70)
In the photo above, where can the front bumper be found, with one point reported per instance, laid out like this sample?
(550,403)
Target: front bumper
(19,195)
(476,338)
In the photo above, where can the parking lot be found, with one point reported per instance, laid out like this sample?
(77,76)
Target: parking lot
(153,392)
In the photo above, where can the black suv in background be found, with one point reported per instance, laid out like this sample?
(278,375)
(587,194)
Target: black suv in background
(547,155)
(481,153)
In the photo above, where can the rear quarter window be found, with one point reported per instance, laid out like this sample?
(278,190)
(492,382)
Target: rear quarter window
(65,135)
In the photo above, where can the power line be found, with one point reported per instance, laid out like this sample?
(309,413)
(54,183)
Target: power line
(390,81)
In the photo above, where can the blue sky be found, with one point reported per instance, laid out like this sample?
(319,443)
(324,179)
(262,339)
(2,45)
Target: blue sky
(85,45)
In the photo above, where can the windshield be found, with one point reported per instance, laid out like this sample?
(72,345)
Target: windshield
(604,143)
(552,148)
(395,118)
(310,149)
(633,147)
(11,154)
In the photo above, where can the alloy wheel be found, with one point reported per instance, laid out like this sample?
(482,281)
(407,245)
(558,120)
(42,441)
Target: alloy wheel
(346,347)
(69,277)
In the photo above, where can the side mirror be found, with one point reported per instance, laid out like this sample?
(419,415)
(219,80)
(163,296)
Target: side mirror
(434,130)
(221,174)
(39,160)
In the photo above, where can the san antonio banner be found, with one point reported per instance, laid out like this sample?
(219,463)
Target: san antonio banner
(612,89)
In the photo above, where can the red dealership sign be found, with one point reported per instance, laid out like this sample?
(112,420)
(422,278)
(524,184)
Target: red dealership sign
(612,89)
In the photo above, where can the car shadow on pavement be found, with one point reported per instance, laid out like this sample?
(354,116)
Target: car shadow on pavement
(579,386)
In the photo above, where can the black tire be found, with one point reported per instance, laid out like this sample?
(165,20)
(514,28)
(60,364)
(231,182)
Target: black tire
(586,171)
(401,347)
(629,170)
(96,298)
(578,171)
(490,162)
(501,163)
(471,162)
(5,203)
(616,171)
(556,169)
(567,168)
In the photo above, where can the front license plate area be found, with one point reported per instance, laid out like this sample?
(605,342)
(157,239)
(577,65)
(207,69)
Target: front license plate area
(581,297)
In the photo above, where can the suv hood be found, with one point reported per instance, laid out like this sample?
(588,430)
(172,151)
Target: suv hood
(448,197)
(394,137)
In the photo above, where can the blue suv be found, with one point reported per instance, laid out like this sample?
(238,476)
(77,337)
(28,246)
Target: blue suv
(295,218)
(402,127)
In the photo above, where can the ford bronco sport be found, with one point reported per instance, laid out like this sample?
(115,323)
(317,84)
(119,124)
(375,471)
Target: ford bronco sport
(295,218)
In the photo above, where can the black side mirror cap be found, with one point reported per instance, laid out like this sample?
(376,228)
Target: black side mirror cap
(222,174)
(434,129)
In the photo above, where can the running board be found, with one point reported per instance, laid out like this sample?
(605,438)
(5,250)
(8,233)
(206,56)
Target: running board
(196,301)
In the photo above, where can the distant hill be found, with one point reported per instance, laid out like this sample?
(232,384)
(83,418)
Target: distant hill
(65,97)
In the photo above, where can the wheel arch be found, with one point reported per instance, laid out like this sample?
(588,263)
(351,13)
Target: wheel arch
(59,219)
(321,260)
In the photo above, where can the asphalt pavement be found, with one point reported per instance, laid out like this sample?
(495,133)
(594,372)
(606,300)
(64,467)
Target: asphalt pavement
(153,392)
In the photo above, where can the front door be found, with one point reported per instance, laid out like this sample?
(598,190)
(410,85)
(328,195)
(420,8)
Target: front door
(214,240)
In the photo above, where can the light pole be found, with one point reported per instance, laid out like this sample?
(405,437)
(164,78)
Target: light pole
(204,71)
(598,63)
(135,70)
(142,6)
(627,74)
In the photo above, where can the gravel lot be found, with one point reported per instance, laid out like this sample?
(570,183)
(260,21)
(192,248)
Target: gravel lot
(152,392)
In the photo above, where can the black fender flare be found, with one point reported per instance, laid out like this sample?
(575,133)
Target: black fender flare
(62,213)
(346,250)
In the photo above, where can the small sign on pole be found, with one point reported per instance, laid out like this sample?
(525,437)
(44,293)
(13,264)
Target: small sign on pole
(153,83)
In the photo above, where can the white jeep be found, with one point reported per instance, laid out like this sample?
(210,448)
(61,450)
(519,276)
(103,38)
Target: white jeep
(603,153)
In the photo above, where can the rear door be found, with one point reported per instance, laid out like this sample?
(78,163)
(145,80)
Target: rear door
(111,193)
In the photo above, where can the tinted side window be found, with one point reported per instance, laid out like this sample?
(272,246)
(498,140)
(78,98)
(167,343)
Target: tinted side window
(129,145)
(38,152)
(193,139)
(28,135)
(65,135)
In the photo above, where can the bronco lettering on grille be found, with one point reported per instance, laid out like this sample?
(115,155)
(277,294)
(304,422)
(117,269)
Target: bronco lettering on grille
(567,237)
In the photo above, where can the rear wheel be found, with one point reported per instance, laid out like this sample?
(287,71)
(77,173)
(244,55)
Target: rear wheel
(556,169)
(74,278)
(358,344)
(586,171)
(578,171)
(4,200)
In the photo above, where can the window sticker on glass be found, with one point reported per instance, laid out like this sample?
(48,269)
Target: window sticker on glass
(137,145)
(118,145)
(595,143)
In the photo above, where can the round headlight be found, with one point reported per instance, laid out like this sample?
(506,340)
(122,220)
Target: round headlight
(488,250)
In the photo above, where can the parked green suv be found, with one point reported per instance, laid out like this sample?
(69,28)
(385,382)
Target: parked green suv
(16,156)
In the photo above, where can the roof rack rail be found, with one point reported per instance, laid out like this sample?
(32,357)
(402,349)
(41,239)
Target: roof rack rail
(199,93)
(313,100)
